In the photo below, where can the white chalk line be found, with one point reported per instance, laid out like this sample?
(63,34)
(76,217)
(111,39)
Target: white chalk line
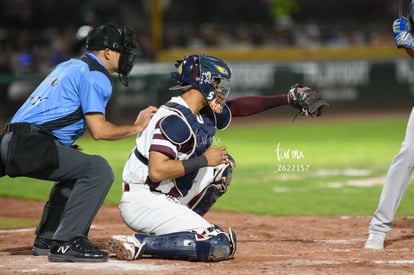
(21,230)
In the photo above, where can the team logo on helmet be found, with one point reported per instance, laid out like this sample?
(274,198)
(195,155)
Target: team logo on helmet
(222,70)
(206,77)
(180,68)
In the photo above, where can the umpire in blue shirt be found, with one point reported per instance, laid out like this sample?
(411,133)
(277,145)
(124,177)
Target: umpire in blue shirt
(39,142)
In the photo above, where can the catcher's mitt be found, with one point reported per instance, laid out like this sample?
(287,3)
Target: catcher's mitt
(309,102)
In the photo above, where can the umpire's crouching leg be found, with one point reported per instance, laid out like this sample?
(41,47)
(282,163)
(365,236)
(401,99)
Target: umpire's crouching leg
(86,197)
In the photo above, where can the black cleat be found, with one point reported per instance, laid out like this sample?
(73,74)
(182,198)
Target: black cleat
(41,246)
(79,249)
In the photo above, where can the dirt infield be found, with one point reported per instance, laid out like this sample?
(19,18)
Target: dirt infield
(266,245)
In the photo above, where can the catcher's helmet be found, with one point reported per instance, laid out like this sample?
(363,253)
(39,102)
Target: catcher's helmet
(206,74)
(120,39)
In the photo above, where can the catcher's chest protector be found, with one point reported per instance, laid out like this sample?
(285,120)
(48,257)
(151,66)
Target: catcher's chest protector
(202,134)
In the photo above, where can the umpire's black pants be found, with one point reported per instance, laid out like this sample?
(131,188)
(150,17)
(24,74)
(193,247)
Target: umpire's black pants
(81,184)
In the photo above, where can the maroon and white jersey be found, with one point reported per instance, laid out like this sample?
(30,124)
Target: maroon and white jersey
(136,172)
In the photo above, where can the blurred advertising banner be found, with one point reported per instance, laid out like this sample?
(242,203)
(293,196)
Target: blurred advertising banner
(369,84)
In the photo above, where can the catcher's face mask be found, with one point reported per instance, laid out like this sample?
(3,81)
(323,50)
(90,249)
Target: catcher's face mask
(221,92)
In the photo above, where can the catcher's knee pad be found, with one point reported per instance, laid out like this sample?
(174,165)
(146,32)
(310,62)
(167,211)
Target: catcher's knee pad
(215,245)
(203,201)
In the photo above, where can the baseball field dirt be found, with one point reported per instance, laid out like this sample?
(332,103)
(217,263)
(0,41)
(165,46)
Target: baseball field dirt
(266,245)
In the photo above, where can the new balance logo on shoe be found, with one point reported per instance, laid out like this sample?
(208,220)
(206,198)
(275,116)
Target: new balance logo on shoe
(79,249)
(63,249)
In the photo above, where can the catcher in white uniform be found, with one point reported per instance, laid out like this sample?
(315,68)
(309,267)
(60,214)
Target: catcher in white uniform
(173,175)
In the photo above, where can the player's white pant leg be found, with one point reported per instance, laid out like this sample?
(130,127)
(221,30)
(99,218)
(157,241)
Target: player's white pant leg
(152,212)
(395,184)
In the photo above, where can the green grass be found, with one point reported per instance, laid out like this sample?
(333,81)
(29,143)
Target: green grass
(341,157)
(329,149)
(16,223)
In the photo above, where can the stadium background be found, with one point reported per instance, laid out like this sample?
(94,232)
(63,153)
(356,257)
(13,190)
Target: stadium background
(343,48)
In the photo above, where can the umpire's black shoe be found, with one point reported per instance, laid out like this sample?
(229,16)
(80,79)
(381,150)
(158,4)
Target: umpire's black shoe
(80,249)
(41,246)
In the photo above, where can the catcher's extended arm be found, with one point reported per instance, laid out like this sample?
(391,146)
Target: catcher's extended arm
(309,102)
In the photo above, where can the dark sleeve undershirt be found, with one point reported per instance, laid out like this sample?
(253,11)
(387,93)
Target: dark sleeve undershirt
(249,105)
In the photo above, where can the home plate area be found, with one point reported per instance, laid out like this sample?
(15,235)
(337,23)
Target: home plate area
(266,245)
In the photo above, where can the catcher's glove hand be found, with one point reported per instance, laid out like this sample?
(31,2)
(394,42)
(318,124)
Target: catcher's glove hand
(309,102)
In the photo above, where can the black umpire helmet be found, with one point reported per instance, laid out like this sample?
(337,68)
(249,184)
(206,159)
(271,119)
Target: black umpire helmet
(120,39)
(102,37)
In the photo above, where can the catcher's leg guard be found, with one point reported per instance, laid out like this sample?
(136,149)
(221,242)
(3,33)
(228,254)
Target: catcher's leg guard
(215,245)
(203,201)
